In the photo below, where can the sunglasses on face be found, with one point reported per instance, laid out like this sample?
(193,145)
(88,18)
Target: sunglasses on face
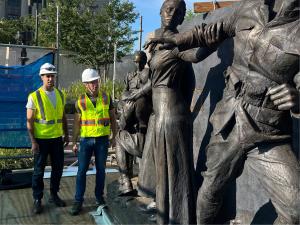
(49,75)
(50,69)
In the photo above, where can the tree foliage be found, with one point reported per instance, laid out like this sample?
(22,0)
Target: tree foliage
(190,15)
(90,34)
(9,29)
(77,88)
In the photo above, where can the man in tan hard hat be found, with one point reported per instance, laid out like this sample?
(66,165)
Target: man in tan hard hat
(46,124)
(94,120)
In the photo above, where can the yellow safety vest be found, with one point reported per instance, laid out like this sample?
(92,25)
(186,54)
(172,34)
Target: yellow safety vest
(95,121)
(48,120)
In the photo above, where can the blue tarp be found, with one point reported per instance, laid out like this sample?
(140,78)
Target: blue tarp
(16,82)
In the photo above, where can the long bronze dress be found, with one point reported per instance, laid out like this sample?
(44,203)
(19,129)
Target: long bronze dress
(172,137)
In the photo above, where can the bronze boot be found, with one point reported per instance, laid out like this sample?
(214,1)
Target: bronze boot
(126,185)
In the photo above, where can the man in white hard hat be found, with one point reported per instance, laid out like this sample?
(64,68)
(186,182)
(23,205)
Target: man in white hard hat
(94,120)
(47,124)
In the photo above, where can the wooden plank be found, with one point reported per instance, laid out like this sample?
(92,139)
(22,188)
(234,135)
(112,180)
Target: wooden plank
(201,7)
(16,205)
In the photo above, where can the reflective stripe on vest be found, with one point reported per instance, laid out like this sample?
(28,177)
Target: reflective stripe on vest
(104,99)
(41,106)
(47,122)
(88,123)
(95,121)
(104,122)
(48,119)
(82,102)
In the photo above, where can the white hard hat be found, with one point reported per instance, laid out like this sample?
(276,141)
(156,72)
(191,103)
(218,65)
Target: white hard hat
(47,68)
(90,75)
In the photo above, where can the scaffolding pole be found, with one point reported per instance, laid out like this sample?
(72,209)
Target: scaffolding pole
(57,45)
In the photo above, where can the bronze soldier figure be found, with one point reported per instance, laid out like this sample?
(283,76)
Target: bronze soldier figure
(135,109)
(253,120)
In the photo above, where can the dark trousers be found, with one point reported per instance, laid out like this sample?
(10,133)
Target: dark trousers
(54,148)
(274,164)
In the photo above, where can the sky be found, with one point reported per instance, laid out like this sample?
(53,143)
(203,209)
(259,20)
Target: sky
(149,10)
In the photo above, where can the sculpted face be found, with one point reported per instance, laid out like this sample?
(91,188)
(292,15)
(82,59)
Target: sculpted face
(171,14)
(139,61)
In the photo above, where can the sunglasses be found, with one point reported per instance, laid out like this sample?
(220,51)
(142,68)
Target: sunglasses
(49,75)
(50,69)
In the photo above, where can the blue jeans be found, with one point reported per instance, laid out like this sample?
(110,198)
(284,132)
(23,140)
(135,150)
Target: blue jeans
(88,146)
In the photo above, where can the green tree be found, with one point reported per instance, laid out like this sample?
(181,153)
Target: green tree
(190,15)
(10,27)
(90,34)
(87,34)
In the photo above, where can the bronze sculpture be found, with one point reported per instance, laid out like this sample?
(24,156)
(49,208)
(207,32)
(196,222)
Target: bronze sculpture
(147,176)
(175,200)
(134,109)
(253,119)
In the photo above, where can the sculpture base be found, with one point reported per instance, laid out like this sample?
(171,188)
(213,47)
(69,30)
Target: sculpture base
(126,209)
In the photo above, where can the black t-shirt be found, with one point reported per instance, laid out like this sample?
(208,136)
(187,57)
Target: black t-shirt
(93,100)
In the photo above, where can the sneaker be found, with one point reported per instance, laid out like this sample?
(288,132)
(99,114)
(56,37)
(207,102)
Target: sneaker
(100,201)
(37,206)
(76,208)
(56,200)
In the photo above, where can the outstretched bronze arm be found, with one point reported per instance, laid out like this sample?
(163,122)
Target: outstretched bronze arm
(200,36)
